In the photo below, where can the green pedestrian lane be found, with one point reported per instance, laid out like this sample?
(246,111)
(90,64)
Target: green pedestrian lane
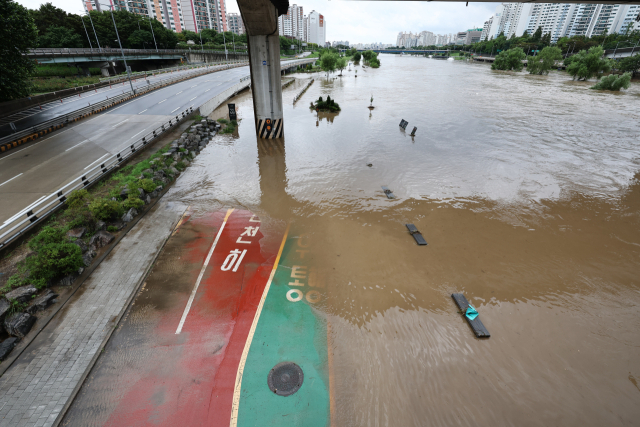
(289,329)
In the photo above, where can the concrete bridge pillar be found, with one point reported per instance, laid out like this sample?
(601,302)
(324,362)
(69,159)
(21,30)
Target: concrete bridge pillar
(260,18)
(264,60)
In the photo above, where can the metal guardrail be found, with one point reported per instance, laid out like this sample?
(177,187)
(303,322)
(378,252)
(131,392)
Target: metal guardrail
(37,212)
(46,126)
(137,74)
(304,89)
(34,214)
(96,51)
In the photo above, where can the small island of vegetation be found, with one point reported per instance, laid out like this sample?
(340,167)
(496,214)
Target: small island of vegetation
(329,105)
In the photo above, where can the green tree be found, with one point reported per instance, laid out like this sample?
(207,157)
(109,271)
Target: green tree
(508,60)
(140,39)
(341,64)
(588,63)
(18,33)
(208,36)
(630,64)
(356,57)
(545,61)
(613,82)
(328,62)
(60,37)
(537,35)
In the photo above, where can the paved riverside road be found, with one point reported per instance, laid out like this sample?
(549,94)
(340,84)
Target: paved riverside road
(31,173)
(35,115)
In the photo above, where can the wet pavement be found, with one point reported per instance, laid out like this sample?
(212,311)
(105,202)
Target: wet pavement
(527,191)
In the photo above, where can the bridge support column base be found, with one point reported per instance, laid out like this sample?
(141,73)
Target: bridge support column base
(266,85)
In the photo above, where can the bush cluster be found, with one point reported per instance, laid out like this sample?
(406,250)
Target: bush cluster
(613,82)
(328,105)
(54,257)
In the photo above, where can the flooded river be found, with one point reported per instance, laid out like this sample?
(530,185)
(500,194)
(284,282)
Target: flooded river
(526,189)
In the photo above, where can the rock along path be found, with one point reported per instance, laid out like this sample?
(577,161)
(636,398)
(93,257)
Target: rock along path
(37,387)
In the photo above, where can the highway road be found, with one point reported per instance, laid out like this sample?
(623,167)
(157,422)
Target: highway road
(31,173)
(50,110)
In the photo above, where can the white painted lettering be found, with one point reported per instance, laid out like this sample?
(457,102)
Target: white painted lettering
(296,292)
(232,259)
(299,272)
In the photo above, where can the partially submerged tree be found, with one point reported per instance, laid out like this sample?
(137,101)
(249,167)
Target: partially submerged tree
(588,63)
(613,82)
(545,61)
(630,64)
(509,60)
(18,34)
(328,62)
(341,64)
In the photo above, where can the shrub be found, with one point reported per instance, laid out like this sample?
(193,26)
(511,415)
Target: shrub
(112,229)
(328,105)
(77,198)
(613,82)
(53,260)
(147,185)
(105,209)
(47,235)
(133,202)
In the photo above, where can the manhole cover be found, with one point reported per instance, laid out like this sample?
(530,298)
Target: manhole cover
(285,378)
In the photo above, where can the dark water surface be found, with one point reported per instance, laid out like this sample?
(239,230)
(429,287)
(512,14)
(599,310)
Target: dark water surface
(526,188)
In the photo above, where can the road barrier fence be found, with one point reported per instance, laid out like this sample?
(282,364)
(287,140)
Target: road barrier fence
(34,214)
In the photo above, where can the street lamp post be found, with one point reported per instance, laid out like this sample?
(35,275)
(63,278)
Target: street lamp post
(153,35)
(224,39)
(87,33)
(121,51)
(94,32)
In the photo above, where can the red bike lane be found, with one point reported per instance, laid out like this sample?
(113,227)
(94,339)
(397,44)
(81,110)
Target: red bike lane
(174,358)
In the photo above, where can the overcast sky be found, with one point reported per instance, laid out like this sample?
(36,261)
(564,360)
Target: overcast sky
(367,21)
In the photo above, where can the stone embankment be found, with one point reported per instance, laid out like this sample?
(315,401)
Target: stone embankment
(18,308)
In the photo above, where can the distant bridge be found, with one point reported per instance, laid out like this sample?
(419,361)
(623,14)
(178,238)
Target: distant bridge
(406,51)
(83,56)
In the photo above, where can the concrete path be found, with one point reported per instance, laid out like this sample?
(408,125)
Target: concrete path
(36,388)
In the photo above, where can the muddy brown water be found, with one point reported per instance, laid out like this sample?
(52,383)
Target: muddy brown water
(527,189)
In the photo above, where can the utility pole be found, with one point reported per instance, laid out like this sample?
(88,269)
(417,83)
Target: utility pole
(121,51)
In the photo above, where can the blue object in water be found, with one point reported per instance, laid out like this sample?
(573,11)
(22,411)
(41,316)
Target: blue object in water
(471,313)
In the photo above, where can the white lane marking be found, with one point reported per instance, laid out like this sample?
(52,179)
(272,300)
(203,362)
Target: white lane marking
(138,133)
(23,211)
(193,98)
(193,86)
(207,90)
(161,101)
(179,93)
(202,270)
(118,124)
(142,111)
(26,148)
(10,180)
(86,140)
(176,109)
(97,161)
